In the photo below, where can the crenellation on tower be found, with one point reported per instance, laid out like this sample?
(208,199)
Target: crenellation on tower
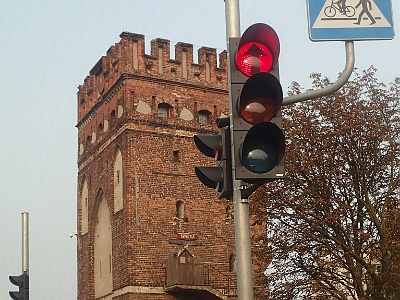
(160,51)
(128,56)
(109,94)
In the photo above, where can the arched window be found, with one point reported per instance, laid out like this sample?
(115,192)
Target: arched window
(180,210)
(164,110)
(112,116)
(204,117)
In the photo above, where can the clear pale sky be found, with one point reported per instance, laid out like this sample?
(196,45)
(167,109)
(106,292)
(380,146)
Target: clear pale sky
(47,49)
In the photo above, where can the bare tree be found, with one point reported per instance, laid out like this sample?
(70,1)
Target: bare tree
(333,225)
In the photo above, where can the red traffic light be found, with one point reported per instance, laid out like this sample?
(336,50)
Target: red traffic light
(258,50)
(260,99)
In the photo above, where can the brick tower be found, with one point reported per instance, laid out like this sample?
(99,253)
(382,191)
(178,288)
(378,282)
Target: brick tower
(147,228)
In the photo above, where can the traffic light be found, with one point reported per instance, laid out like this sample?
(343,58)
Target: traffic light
(218,147)
(22,281)
(256,96)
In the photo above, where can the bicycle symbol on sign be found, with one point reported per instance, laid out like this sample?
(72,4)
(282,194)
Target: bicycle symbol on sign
(330,11)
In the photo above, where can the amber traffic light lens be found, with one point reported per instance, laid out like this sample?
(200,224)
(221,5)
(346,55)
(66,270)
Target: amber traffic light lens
(260,99)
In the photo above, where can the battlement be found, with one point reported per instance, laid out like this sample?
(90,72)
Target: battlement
(128,57)
(129,86)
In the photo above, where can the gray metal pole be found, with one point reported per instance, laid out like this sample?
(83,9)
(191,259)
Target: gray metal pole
(232,16)
(25,242)
(240,206)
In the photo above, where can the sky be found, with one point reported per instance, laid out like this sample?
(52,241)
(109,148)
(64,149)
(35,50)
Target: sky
(47,49)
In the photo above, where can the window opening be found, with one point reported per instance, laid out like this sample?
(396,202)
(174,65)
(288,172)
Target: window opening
(204,117)
(164,110)
(176,156)
(180,210)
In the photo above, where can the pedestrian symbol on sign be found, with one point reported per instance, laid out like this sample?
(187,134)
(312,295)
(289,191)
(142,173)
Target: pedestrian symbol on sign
(365,10)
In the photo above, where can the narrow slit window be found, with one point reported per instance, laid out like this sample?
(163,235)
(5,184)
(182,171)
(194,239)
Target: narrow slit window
(180,210)
(175,157)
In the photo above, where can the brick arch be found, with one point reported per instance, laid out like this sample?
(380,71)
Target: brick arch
(204,107)
(167,100)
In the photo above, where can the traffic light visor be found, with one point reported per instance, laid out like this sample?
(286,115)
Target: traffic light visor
(22,281)
(209,145)
(260,99)
(258,50)
(263,148)
(17,280)
(211,177)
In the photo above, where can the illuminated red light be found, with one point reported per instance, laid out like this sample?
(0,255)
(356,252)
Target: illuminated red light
(258,50)
(253,58)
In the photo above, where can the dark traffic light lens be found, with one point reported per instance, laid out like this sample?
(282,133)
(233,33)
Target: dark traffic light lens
(261,109)
(253,58)
(262,148)
(260,99)
(261,159)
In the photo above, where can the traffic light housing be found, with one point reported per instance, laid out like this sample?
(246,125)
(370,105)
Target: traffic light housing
(22,281)
(256,96)
(218,147)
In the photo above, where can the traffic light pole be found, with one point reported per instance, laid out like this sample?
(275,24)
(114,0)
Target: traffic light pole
(22,281)
(240,206)
(25,242)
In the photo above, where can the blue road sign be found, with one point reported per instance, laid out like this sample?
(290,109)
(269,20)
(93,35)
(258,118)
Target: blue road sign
(350,20)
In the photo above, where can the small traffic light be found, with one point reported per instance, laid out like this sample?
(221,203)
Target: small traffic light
(218,147)
(22,281)
(256,96)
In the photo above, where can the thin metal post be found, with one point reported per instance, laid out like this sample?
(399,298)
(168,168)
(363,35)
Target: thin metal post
(232,17)
(25,242)
(240,206)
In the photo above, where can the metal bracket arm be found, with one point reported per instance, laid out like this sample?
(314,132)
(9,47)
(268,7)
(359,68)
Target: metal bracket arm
(343,78)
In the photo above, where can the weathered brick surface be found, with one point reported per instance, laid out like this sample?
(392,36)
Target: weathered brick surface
(110,117)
